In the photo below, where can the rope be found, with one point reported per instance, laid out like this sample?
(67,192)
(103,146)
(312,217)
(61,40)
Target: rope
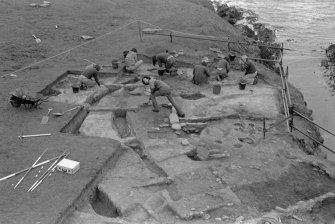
(67,51)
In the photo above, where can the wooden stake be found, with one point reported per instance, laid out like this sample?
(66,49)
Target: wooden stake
(140,29)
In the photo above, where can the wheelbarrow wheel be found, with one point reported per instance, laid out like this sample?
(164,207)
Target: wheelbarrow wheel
(15,102)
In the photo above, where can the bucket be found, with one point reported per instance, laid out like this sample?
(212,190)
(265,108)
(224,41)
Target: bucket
(115,64)
(242,85)
(75,88)
(216,89)
(161,72)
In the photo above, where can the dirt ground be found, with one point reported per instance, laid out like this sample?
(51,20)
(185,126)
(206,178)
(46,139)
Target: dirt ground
(60,27)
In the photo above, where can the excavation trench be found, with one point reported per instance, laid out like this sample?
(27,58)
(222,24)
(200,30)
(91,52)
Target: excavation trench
(103,206)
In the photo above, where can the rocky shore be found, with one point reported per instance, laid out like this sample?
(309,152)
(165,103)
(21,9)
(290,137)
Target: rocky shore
(257,33)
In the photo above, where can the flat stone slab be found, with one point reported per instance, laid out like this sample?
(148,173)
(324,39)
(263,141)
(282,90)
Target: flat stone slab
(163,149)
(99,124)
(180,164)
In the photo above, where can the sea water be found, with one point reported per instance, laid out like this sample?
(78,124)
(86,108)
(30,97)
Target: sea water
(308,27)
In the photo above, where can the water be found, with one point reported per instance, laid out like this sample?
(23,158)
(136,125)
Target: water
(308,27)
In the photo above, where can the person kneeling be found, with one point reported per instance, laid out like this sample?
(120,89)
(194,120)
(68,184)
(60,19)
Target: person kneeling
(160,88)
(201,73)
(131,61)
(250,75)
(86,76)
(164,58)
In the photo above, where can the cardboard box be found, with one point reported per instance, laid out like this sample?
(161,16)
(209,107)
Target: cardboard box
(68,166)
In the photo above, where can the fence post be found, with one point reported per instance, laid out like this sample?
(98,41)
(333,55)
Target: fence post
(139,24)
(264,130)
(171,36)
(282,53)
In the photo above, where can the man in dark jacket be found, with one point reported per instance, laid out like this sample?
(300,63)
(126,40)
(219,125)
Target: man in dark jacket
(201,73)
(160,88)
(164,58)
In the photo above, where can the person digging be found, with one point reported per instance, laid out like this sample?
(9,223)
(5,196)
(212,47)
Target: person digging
(166,59)
(86,76)
(250,75)
(160,88)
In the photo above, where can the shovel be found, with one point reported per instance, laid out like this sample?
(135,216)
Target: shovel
(45,119)
(38,40)
(62,113)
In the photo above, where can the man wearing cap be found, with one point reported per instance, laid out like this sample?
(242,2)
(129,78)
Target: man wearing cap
(90,72)
(201,73)
(131,61)
(160,88)
(164,58)
(250,75)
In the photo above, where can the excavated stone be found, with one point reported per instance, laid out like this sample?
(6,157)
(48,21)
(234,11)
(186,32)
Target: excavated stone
(176,126)
(173,118)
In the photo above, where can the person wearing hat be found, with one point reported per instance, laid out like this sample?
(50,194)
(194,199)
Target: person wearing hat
(131,61)
(160,88)
(164,58)
(90,72)
(250,75)
(222,68)
(201,73)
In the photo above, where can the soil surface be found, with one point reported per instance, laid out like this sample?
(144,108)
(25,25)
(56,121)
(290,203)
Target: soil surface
(135,167)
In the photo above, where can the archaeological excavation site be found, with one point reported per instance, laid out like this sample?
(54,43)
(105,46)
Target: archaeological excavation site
(240,153)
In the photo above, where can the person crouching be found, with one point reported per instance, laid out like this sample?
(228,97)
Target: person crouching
(201,73)
(90,72)
(165,59)
(250,75)
(131,61)
(160,88)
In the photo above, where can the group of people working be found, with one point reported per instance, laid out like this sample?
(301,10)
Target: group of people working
(201,73)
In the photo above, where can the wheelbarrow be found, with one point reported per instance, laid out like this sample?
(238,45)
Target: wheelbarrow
(21,96)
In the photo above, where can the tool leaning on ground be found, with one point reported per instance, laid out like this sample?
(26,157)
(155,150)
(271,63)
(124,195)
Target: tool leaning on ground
(66,111)
(45,119)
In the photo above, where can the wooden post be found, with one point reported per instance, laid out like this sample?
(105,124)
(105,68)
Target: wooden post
(139,24)
(228,47)
(264,130)
(282,53)
(286,72)
(171,37)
